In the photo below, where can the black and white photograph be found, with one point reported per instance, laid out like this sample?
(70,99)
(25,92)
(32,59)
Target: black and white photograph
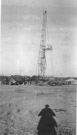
(38,67)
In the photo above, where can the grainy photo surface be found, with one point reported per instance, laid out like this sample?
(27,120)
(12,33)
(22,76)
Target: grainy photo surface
(38,76)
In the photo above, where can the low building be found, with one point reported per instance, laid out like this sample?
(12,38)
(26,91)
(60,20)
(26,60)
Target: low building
(12,81)
(70,81)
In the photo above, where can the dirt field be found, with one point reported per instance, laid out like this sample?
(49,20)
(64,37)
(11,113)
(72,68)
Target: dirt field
(20,105)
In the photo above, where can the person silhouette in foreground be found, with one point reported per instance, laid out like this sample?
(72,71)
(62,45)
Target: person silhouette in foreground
(47,123)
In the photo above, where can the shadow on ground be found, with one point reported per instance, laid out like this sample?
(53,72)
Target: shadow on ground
(12,122)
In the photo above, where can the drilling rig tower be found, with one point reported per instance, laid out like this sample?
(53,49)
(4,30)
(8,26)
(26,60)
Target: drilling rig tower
(43,48)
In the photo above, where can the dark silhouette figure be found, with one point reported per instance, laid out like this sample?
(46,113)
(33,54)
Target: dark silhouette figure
(47,123)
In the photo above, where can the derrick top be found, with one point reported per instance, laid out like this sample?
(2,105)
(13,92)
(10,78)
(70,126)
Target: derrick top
(45,12)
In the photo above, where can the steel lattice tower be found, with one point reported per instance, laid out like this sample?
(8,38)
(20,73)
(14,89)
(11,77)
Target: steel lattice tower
(42,58)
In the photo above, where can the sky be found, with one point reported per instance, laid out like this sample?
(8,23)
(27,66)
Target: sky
(21,23)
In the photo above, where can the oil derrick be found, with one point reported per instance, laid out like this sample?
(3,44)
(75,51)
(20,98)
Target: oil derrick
(43,48)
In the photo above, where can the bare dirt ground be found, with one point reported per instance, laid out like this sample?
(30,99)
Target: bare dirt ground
(20,105)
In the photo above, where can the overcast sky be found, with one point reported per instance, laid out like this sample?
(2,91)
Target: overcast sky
(21,22)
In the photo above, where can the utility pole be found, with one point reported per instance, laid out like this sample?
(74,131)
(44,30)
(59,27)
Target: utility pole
(42,56)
